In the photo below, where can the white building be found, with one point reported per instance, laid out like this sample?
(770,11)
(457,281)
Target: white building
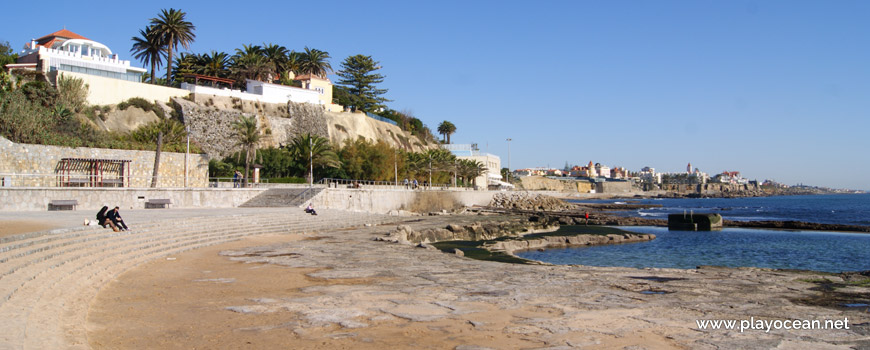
(492,177)
(64,50)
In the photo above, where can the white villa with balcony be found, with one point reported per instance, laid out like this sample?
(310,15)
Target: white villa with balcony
(67,51)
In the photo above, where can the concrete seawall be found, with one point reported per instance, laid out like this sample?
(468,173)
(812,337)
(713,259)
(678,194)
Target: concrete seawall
(384,201)
(359,200)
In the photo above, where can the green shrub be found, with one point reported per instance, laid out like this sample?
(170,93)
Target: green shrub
(72,93)
(142,104)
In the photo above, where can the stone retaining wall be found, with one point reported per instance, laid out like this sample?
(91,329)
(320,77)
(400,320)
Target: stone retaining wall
(18,159)
(92,199)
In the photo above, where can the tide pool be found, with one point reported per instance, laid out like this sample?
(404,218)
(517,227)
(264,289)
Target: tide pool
(733,247)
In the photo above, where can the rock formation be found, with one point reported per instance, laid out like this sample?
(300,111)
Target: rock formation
(528,201)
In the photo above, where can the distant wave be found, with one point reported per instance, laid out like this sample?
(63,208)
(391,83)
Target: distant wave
(650,214)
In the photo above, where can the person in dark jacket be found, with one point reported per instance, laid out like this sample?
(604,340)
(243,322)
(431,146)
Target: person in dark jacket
(103,220)
(116,219)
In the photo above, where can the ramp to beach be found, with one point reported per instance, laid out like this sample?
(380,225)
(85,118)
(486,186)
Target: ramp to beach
(282,197)
(47,279)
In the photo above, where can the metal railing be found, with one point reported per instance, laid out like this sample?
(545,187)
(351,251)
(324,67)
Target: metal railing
(385,120)
(10,180)
(369,184)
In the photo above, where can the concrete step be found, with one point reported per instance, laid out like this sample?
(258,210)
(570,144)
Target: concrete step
(47,295)
(282,197)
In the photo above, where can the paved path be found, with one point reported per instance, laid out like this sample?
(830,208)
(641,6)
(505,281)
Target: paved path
(47,279)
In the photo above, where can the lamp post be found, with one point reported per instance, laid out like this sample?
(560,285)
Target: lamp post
(396,164)
(311,161)
(509,159)
(187,133)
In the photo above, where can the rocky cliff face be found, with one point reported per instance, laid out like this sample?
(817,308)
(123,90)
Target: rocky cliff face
(210,121)
(350,126)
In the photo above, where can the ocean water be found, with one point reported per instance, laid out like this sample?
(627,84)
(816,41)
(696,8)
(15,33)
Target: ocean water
(736,247)
(850,209)
(802,250)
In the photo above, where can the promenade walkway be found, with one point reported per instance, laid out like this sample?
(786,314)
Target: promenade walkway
(47,279)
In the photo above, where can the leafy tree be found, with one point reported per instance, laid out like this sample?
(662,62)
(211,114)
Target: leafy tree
(366,160)
(446,128)
(247,137)
(173,30)
(148,47)
(185,64)
(313,151)
(276,162)
(314,62)
(7,54)
(358,81)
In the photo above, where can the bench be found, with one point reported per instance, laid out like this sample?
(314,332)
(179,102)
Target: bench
(63,204)
(155,203)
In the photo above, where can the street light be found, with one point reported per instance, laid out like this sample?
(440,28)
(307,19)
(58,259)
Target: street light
(311,160)
(509,159)
(187,133)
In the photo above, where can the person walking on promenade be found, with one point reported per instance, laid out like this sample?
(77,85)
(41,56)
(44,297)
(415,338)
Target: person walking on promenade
(116,219)
(236,179)
(415,184)
(587,218)
(406,182)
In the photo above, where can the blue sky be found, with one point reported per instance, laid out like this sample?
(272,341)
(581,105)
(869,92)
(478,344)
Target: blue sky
(774,89)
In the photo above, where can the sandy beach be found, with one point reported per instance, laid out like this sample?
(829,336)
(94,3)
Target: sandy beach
(341,290)
(277,278)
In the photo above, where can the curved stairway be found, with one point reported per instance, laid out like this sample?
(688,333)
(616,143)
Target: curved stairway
(47,279)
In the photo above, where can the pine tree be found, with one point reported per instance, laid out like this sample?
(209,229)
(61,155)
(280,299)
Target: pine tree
(358,81)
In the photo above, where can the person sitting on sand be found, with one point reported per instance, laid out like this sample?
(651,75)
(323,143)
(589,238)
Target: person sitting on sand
(115,217)
(310,210)
(103,220)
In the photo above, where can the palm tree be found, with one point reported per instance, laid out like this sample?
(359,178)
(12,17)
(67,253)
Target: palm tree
(313,150)
(252,49)
(277,56)
(163,131)
(446,128)
(148,48)
(469,169)
(314,62)
(247,137)
(293,63)
(215,64)
(249,66)
(174,30)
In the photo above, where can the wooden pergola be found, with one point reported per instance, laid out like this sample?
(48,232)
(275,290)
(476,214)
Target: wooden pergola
(214,80)
(91,172)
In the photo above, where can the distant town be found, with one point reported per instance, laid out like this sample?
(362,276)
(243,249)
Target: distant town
(648,179)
